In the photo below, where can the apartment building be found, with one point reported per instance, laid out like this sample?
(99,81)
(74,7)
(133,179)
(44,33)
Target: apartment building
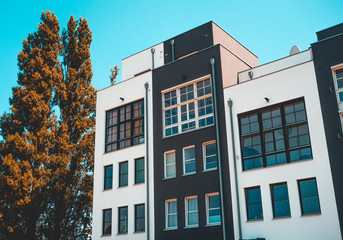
(198,141)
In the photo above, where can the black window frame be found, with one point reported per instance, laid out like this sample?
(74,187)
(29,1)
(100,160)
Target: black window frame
(301,197)
(106,177)
(137,171)
(121,174)
(125,220)
(258,137)
(272,191)
(248,204)
(104,222)
(137,229)
(120,117)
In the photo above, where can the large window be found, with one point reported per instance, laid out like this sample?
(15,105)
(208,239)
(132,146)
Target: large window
(108,177)
(188,107)
(280,200)
(254,203)
(189,160)
(122,220)
(309,198)
(107,222)
(191,211)
(275,135)
(171,214)
(210,155)
(169,164)
(124,126)
(139,170)
(123,174)
(140,218)
(213,208)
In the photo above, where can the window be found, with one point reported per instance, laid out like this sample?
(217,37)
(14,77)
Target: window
(170,164)
(123,174)
(108,177)
(140,218)
(254,203)
(280,200)
(139,170)
(189,160)
(191,209)
(125,126)
(210,155)
(213,209)
(309,198)
(171,214)
(275,135)
(122,220)
(107,222)
(339,84)
(188,107)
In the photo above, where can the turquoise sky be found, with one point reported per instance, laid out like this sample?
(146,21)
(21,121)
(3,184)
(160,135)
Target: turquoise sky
(269,28)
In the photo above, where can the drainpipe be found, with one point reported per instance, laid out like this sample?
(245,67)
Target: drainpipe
(152,58)
(172,45)
(230,103)
(146,85)
(212,61)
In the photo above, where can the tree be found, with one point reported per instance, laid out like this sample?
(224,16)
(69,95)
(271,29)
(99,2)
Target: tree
(114,74)
(47,160)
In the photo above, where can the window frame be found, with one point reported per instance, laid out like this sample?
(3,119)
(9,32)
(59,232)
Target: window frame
(125,220)
(121,174)
(108,177)
(284,128)
(247,204)
(301,198)
(114,144)
(141,170)
(165,164)
(136,218)
(179,124)
(188,160)
(187,212)
(205,156)
(167,214)
(207,202)
(104,222)
(274,201)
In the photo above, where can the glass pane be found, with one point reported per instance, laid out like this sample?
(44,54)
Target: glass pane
(282,208)
(280,192)
(308,188)
(340,82)
(193,204)
(190,166)
(140,224)
(214,201)
(193,218)
(140,211)
(254,195)
(189,153)
(255,211)
(211,162)
(170,157)
(171,171)
(305,153)
(214,216)
(340,96)
(172,207)
(172,221)
(310,205)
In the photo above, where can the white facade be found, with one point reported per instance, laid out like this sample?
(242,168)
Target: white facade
(279,81)
(112,97)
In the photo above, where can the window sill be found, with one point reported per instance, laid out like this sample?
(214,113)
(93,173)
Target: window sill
(281,217)
(168,178)
(188,174)
(138,184)
(106,235)
(213,224)
(123,187)
(311,214)
(191,226)
(170,229)
(210,170)
(121,234)
(106,190)
(254,220)
(139,232)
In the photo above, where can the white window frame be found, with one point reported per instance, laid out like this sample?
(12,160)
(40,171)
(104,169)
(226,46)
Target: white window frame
(184,160)
(204,155)
(179,104)
(187,211)
(337,90)
(207,197)
(166,213)
(165,164)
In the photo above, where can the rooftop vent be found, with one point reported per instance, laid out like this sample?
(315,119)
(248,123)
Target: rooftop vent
(294,50)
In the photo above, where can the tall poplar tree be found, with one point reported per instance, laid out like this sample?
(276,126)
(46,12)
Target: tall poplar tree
(29,133)
(46,160)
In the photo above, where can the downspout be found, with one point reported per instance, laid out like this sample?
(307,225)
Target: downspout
(212,61)
(146,85)
(230,103)
(172,45)
(152,58)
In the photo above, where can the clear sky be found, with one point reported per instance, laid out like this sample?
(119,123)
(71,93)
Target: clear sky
(269,28)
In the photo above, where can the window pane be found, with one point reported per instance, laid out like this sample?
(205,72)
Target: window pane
(123,174)
(214,209)
(309,196)
(122,220)
(189,160)
(108,177)
(282,208)
(214,201)
(170,166)
(140,217)
(107,222)
(171,214)
(139,168)
(254,203)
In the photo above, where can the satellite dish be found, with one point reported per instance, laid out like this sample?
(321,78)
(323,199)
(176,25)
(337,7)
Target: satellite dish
(294,50)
